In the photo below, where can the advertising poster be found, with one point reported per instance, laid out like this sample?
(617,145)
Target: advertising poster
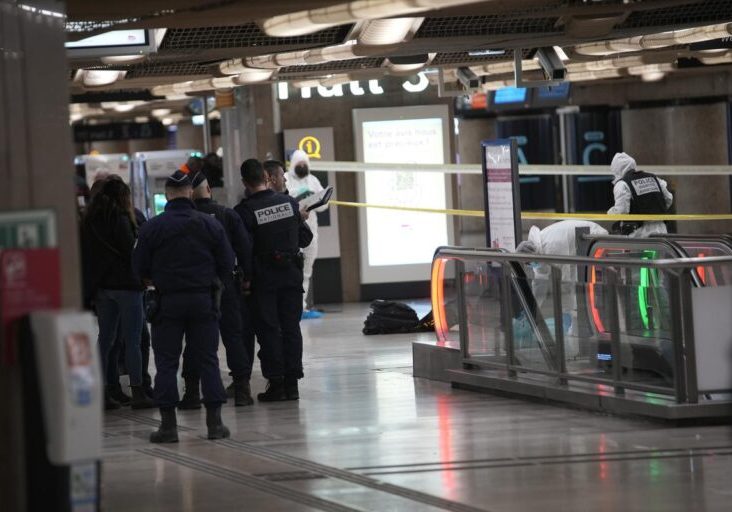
(502,204)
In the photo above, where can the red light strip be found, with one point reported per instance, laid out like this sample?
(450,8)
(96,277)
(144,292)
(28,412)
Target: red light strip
(438,299)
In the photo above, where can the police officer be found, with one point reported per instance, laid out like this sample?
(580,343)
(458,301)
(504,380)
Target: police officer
(186,255)
(638,192)
(230,324)
(278,233)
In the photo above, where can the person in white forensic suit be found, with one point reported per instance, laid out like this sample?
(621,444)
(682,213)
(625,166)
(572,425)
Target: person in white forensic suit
(301,184)
(558,239)
(638,192)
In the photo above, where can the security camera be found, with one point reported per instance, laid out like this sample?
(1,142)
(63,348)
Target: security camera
(551,63)
(469,79)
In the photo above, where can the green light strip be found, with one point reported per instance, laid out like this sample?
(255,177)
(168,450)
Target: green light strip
(643,288)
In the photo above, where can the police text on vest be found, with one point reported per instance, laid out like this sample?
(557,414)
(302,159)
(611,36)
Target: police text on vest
(644,186)
(273,213)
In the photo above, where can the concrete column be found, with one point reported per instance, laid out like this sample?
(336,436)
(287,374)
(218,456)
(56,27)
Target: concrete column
(36,170)
(684,135)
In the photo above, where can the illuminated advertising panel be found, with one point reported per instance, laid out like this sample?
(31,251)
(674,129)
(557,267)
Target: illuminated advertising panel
(397,246)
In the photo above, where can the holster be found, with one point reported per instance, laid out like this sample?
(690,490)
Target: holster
(151,303)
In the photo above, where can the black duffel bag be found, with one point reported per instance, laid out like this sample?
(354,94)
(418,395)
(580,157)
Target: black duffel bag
(388,317)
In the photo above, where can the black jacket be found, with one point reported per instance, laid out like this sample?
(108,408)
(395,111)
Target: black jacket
(183,250)
(107,245)
(238,236)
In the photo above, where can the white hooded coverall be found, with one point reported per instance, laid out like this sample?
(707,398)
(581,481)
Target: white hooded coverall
(558,239)
(297,186)
(622,164)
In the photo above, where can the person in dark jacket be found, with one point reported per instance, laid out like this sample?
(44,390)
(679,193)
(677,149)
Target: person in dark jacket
(109,231)
(278,233)
(230,323)
(185,254)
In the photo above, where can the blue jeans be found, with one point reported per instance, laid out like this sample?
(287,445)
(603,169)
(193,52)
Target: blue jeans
(123,307)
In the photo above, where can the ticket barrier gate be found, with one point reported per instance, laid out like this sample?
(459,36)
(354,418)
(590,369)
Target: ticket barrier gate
(150,169)
(63,401)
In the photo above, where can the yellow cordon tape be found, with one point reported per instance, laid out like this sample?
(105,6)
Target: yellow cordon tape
(545,216)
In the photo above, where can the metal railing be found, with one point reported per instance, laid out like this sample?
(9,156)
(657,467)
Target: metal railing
(484,316)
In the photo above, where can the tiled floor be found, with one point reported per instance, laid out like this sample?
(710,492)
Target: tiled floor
(367,436)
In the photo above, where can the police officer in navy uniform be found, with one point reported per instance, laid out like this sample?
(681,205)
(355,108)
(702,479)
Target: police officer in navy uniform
(186,256)
(278,233)
(230,324)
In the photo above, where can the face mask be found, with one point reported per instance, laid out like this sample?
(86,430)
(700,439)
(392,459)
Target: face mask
(301,171)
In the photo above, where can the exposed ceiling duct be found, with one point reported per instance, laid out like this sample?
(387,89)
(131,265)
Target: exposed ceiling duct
(654,41)
(312,20)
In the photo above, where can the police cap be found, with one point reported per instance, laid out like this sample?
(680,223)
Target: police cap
(178,180)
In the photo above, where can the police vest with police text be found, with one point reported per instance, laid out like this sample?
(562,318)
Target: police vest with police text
(277,223)
(646,194)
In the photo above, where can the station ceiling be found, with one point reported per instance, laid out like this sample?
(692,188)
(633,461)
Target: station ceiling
(212,44)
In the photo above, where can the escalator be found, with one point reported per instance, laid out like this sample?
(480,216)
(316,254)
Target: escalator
(644,295)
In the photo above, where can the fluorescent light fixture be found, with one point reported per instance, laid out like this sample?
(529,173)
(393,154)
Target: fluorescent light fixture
(124,107)
(650,69)
(485,53)
(101,77)
(388,31)
(404,68)
(653,76)
(306,22)
(252,76)
(123,59)
(167,121)
(283,91)
(160,112)
(141,119)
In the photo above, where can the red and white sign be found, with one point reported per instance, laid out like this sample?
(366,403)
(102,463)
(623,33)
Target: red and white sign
(30,280)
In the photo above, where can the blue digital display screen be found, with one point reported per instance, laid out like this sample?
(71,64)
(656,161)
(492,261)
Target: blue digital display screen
(509,95)
(553,92)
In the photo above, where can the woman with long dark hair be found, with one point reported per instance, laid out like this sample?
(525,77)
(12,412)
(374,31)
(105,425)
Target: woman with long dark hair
(109,232)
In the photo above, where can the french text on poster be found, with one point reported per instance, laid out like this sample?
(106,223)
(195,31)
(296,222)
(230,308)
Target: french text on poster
(499,185)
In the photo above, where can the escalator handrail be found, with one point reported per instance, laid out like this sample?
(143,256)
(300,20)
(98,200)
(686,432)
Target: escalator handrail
(644,243)
(498,255)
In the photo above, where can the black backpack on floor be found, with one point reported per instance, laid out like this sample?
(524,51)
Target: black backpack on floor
(389,317)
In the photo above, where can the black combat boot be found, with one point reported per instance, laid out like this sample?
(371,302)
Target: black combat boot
(242,393)
(115,391)
(140,400)
(168,431)
(291,391)
(110,404)
(216,428)
(192,397)
(275,391)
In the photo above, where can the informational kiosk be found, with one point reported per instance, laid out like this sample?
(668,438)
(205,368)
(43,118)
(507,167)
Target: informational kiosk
(501,194)
(150,169)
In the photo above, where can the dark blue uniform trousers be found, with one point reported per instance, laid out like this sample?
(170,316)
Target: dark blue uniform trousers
(230,325)
(278,310)
(192,315)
